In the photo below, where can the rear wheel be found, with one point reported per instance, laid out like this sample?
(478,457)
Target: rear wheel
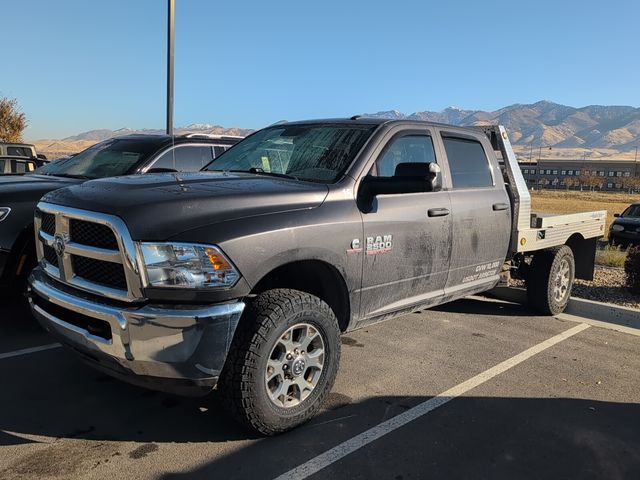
(283,361)
(550,279)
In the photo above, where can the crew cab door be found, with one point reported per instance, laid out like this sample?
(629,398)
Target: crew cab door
(407,236)
(481,214)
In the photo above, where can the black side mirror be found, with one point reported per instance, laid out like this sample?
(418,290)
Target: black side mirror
(408,178)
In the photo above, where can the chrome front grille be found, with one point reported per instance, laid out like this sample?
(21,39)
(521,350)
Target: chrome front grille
(88,250)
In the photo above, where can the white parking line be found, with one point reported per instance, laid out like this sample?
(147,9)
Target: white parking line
(27,351)
(340,451)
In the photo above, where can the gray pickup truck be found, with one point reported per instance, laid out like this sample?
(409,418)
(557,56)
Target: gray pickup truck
(244,275)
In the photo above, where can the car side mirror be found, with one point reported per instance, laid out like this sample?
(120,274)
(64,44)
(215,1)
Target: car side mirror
(408,178)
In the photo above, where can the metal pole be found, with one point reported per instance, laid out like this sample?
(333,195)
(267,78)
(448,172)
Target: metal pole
(170,35)
(635,164)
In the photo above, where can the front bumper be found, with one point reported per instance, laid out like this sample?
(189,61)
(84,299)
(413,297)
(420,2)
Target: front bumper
(625,237)
(175,348)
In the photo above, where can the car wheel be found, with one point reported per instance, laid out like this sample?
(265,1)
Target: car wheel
(550,279)
(283,361)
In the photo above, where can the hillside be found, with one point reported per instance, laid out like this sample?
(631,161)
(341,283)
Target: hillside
(76,143)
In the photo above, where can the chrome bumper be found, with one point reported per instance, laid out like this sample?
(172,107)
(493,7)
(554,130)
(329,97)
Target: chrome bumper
(171,347)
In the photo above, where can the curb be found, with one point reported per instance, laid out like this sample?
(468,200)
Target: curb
(580,307)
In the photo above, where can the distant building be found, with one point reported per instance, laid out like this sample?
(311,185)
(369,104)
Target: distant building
(583,174)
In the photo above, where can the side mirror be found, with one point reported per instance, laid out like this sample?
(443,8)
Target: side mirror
(408,178)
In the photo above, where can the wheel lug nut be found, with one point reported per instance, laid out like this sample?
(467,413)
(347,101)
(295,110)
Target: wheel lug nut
(284,367)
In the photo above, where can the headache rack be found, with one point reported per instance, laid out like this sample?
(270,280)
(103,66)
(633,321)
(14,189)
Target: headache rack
(534,231)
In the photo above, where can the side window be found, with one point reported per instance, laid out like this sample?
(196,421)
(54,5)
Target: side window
(218,150)
(2,166)
(185,159)
(468,163)
(19,151)
(20,167)
(408,149)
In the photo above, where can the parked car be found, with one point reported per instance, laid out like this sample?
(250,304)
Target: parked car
(17,165)
(244,275)
(625,229)
(118,156)
(19,150)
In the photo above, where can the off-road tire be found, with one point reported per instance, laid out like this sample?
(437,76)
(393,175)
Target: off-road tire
(241,385)
(542,277)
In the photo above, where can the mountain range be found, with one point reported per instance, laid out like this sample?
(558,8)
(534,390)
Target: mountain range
(596,131)
(548,124)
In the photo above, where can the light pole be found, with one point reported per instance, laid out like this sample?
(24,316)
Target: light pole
(170,34)
(635,164)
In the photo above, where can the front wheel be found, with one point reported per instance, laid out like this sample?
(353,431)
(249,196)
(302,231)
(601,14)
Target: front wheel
(283,361)
(550,280)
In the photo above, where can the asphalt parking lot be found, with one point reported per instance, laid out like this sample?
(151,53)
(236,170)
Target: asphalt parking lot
(474,389)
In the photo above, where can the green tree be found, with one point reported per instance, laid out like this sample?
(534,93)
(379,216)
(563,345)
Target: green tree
(12,120)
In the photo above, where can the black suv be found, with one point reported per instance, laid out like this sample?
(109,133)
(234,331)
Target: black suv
(124,155)
(625,229)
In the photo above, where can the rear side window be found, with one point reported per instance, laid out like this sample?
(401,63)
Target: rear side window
(20,167)
(19,151)
(218,150)
(185,159)
(408,149)
(468,163)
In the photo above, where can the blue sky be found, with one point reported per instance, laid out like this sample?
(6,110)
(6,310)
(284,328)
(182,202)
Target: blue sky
(78,65)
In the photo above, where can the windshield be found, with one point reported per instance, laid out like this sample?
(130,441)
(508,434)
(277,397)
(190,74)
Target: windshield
(110,158)
(316,153)
(632,211)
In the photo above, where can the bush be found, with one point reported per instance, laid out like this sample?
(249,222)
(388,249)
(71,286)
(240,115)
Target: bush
(632,269)
(610,256)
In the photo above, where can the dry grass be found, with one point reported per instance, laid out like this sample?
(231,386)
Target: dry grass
(611,257)
(562,201)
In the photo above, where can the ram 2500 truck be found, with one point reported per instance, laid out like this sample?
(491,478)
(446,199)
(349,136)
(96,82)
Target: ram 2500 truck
(244,275)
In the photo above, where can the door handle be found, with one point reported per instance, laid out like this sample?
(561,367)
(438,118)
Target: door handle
(500,206)
(438,212)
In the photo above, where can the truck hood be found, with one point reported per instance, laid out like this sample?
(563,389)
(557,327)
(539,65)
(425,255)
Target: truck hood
(159,206)
(22,188)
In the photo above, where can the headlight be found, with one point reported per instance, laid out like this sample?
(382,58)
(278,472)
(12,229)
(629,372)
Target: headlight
(617,228)
(183,265)
(4,212)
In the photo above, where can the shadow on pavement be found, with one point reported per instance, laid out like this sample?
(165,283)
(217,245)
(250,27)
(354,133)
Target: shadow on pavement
(470,437)
(489,307)
(18,328)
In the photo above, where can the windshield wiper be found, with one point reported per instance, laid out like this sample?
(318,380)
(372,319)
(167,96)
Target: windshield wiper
(259,171)
(69,175)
